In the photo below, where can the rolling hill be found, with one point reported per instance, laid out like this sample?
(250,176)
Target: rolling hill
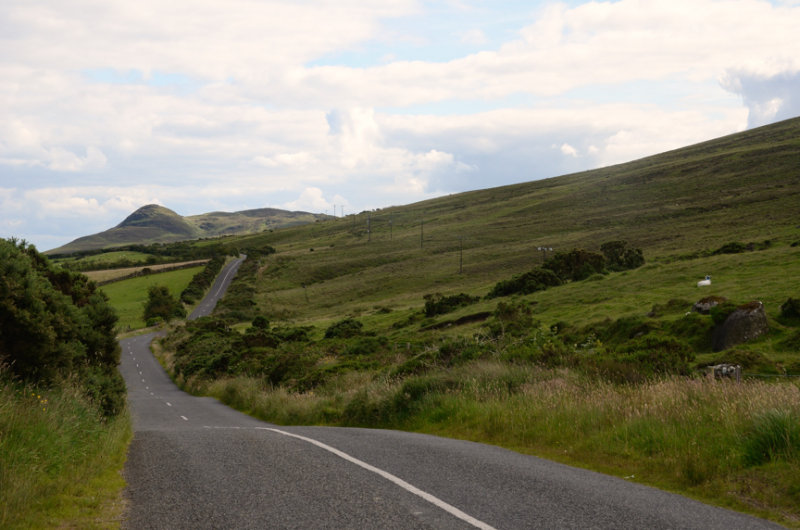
(679,207)
(156,224)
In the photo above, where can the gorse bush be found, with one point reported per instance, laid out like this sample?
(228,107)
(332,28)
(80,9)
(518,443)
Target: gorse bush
(620,257)
(438,304)
(575,265)
(344,329)
(55,324)
(202,281)
(526,283)
(790,309)
(161,305)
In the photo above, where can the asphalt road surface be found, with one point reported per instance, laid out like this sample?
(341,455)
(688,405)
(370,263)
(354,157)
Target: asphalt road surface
(223,280)
(195,463)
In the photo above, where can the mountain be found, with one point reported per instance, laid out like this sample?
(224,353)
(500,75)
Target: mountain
(156,224)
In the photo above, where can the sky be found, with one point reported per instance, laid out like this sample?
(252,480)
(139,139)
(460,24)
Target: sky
(349,105)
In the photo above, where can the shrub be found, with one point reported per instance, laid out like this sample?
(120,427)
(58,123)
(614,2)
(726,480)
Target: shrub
(437,304)
(55,324)
(344,329)
(160,303)
(619,257)
(260,322)
(720,313)
(527,283)
(733,247)
(575,265)
(790,309)
(512,318)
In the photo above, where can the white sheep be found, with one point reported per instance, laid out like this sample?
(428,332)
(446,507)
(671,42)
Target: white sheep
(707,281)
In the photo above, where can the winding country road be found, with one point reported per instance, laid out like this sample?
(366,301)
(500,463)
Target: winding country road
(195,463)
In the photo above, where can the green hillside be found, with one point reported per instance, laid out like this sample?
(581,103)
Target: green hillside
(383,319)
(678,207)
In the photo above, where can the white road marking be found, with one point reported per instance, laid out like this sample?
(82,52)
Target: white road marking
(169,404)
(223,281)
(142,380)
(185,418)
(452,510)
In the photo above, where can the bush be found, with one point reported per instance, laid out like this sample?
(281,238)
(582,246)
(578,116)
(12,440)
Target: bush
(790,309)
(733,247)
(344,329)
(513,318)
(575,265)
(720,312)
(202,281)
(55,324)
(527,283)
(437,304)
(161,304)
(619,257)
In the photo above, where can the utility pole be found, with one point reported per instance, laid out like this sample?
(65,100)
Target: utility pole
(391,223)
(544,252)
(369,231)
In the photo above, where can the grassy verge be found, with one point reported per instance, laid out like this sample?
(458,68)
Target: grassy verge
(734,445)
(60,461)
(128,296)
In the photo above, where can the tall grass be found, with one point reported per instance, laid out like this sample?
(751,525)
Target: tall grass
(732,444)
(60,461)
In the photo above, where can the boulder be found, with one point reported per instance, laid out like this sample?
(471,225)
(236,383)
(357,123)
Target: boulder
(746,323)
(704,305)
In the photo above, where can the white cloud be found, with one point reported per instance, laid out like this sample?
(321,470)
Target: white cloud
(311,199)
(568,150)
(201,105)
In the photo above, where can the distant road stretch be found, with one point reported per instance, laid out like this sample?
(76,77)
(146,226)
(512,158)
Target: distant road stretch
(195,463)
(207,305)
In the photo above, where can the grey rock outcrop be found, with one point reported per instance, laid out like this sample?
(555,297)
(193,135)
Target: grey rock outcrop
(704,305)
(746,323)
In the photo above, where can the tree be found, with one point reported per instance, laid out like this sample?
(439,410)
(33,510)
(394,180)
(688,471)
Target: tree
(161,304)
(56,325)
(619,257)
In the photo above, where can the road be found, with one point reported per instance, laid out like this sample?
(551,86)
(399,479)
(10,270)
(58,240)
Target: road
(195,463)
(221,283)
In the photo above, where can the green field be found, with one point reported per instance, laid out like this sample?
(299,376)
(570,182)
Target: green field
(129,296)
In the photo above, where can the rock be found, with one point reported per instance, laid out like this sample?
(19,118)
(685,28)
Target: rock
(704,305)
(744,324)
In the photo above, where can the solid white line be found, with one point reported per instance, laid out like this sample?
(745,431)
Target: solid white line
(452,510)
(223,280)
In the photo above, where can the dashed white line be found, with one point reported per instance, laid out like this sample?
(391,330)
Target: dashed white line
(169,404)
(452,510)
(185,418)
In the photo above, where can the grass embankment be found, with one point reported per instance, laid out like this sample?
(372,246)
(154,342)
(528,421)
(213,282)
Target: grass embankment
(734,445)
(129,296)
(60,460)
(545,390)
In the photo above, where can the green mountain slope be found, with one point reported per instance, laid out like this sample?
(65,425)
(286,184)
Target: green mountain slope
(156,224)
(675,206)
